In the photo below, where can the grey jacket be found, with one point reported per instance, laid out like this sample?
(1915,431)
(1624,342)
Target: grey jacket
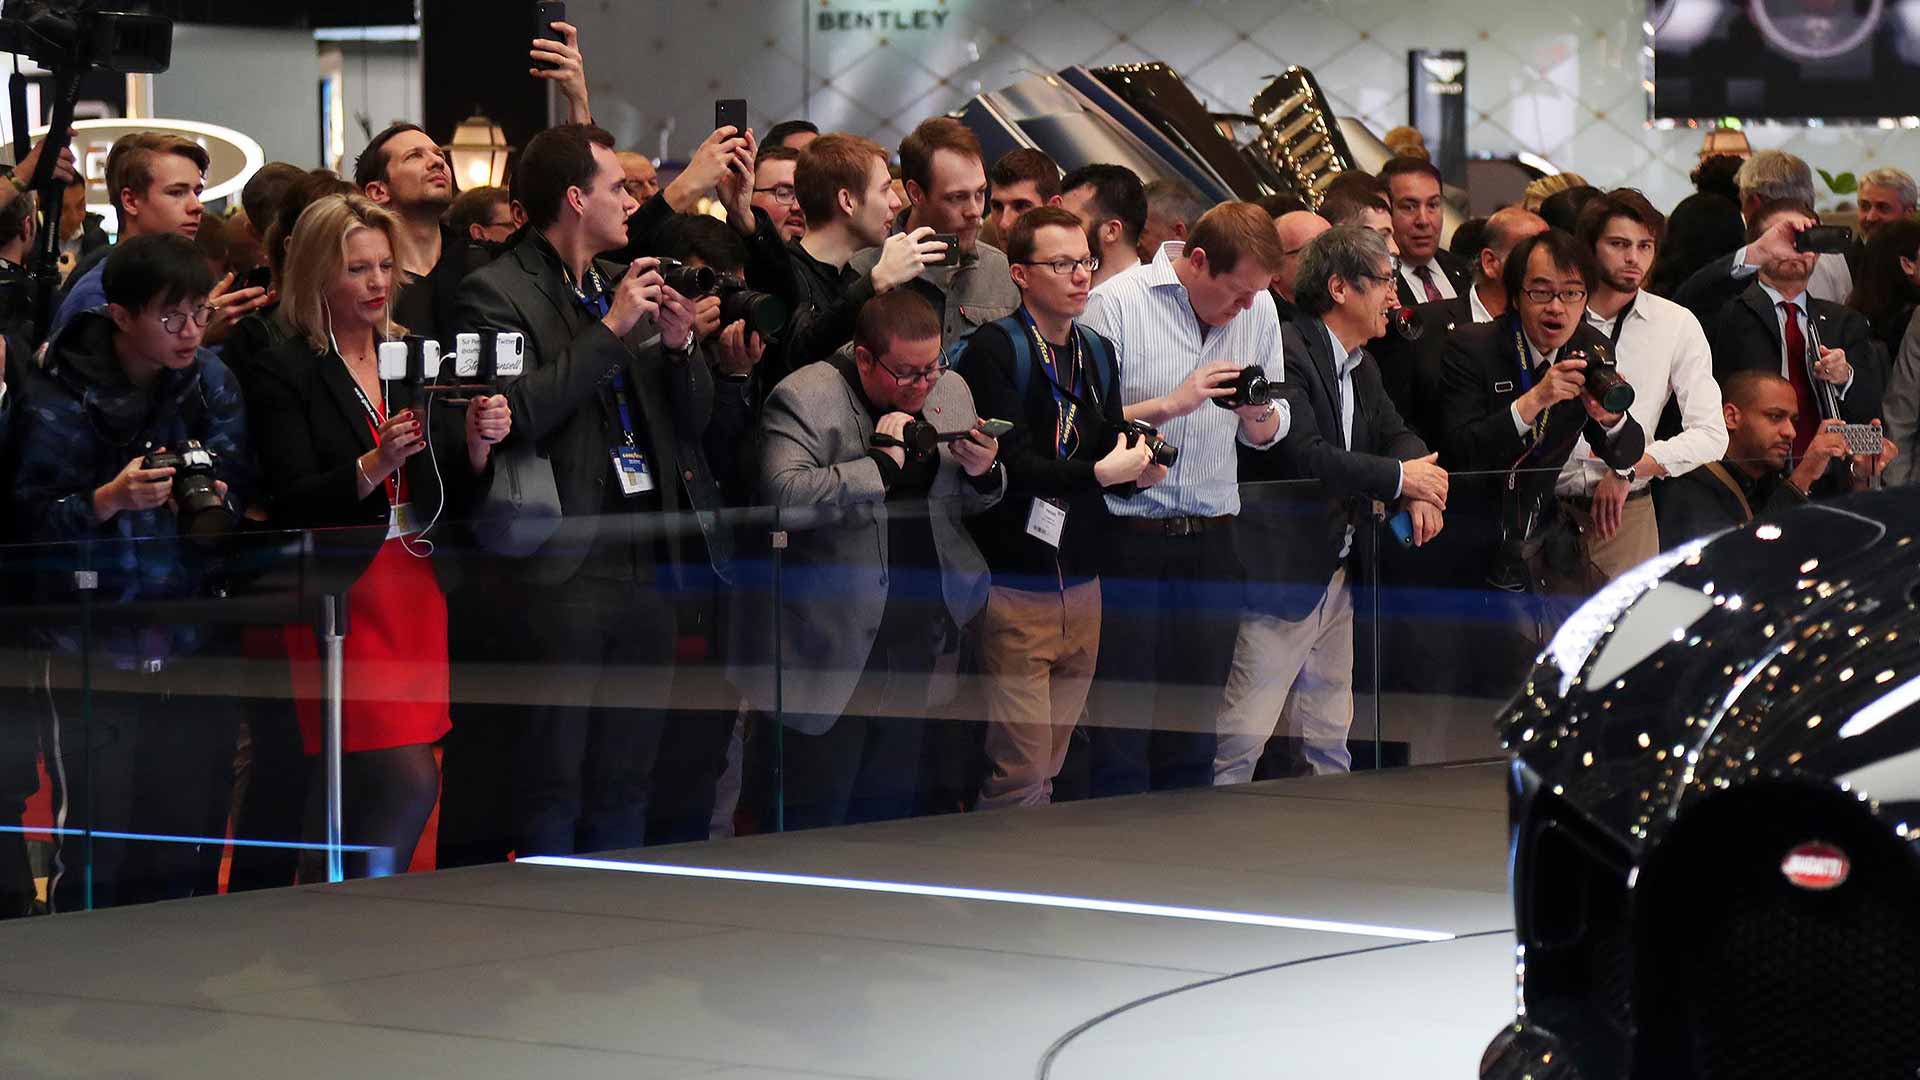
(815,471)
(967,297)
(1900,409)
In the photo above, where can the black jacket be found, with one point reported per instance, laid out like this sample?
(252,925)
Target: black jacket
(1034,469)
(1745,333)
(425,305)
(563,403)
(1291,533)
(1411,370)
(1698,503)
(1456,269)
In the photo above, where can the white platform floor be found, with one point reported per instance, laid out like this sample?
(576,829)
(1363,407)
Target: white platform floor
(523,971)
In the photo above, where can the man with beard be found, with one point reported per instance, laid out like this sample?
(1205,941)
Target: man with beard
(1662,353)
(773,191)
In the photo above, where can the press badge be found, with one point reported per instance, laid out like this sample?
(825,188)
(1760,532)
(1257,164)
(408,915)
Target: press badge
(630,468)
(1046,521)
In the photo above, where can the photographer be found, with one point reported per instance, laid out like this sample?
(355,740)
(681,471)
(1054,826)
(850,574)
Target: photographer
(880,573)
(606,401)
(341,454)
(1058,384)
(19,223)
(121,384)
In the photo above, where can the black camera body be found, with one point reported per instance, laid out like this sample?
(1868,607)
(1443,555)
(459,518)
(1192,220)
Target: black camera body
(1250,387)
(920,438)
(1164,452)
(61,35)
(1604,385)
(201,509)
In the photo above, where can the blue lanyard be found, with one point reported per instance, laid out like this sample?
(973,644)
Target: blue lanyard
(1067,408)
(598,304)
(1526,357)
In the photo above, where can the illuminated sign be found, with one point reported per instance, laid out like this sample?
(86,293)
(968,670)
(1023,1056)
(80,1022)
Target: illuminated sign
(233,157)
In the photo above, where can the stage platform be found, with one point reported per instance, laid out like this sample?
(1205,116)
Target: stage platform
(1351,927)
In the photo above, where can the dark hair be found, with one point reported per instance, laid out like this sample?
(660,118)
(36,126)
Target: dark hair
(1234,231)
(899,314)
(1469,239)
(1702,228)
(14,215)
(1764,214)
(685,236)
(1118,194)
(1741,387)
(1409,166)
(302,193)
(261,197)
(167,268)
(1566,253)
(777,134)
(1881,290)
(474,207)
(555,161)
(1561,210)
(829,165)
(371,165)
(1715,176)
(933,135)
(1023,164)
(1020,236)
(1351,194)
(1279,206)
(775,153)
(1627,203)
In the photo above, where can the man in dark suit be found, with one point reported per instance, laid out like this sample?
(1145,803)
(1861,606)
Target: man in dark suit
(1427,272)
(1296,229)
(1513,394)
(611,406)
(1296,638)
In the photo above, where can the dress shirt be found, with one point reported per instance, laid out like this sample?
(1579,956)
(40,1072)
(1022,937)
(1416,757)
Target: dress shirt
(1477,310)
(1807,334)
(1440,280)
(1662,353)
(1157,342)
(1344,363)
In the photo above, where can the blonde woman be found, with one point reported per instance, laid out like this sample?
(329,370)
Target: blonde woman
(338,458)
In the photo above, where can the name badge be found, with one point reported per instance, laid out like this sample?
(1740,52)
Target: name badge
(1046,521)
(630,468)
(1502,387)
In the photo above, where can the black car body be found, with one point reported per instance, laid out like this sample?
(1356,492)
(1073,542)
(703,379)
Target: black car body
(1715,806)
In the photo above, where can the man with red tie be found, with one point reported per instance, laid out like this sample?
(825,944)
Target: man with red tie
(1824,350)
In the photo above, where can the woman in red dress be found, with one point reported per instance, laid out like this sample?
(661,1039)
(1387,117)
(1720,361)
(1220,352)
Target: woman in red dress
(372,479)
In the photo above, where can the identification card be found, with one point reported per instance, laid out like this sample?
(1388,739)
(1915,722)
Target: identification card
(1046,521)
(630,468)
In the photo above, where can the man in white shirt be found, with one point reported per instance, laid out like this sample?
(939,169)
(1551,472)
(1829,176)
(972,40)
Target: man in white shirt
(1662,352)
(1183,328)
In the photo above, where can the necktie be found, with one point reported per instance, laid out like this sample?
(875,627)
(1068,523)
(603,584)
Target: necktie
(1425,274)
(1809,418)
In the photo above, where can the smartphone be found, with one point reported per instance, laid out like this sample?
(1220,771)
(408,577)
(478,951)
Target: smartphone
(952,256)
(730,112)
(1863,440)
(545,14)
(260,277)
(1824,239)
(993,429)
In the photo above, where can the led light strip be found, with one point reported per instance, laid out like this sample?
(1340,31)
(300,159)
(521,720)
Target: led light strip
(948,892)
(163,838)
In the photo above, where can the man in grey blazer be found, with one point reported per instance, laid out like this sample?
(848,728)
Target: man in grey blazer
(879,574)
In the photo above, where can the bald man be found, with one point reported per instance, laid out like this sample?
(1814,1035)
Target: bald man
(1296,230)
(1487,300)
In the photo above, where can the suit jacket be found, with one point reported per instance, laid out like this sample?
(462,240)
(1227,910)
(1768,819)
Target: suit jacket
(815,470)
(1291,533)
(1452,265)
(1411,370)
(560,403)
(1713,285)
(1745,333)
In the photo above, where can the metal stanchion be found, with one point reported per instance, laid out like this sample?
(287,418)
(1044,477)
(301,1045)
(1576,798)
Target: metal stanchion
(333,635)
(779,538)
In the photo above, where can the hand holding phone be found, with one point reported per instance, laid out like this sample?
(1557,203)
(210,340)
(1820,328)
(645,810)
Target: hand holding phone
(1824,240)
(545,14)
(730,112)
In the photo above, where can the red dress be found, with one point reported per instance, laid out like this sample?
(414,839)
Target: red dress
(395,673)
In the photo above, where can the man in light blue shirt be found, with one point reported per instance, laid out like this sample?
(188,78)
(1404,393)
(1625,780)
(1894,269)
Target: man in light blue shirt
(1184,327)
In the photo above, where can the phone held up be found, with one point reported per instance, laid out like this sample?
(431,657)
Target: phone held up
(1824,239)
(545,14)
(950,257)
(730,112)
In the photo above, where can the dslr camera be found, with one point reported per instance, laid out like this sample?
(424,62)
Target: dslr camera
(1164,452)
(1250,387)
(201,510)
(764,313)
(1605,386)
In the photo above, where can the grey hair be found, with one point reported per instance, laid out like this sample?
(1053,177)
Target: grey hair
(1348,252)
(1175,201)
(1775,174)
(1902,184)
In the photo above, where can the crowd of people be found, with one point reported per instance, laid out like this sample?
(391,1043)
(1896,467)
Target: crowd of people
(1108,459)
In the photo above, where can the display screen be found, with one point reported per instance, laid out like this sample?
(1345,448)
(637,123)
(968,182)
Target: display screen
(1785,59)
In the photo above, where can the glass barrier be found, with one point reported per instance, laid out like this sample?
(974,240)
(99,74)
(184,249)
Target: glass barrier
(187,717)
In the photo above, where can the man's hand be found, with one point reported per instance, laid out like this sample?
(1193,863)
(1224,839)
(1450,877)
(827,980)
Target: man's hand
(735,186)
(976,452)
(1562,382)
(1208,381)
(740,350)
(63,170)
(1424,480)
(1777,242)
(709,163)
(905,256)
(1123,464)
(637,297)
(676,317)
(230,305)
(489,419)
(1821,452)
(1427,521)
(893,426)
(1832,367)
(569,70)
(1609,504)
(706,317)
(1150,476)
(136,488)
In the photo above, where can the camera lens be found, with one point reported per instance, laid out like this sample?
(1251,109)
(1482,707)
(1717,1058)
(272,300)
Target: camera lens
(920,437)
(764,313)
(688,281)
(1250,387)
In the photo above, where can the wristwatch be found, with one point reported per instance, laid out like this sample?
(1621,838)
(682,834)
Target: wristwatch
(1626,474)
(688,346)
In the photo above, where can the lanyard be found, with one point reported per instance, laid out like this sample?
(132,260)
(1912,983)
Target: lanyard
(1066,434)
(1620,321)
(374,420)
(597,303)
(1525,353)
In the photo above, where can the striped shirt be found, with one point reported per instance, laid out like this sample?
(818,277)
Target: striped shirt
(1157,344)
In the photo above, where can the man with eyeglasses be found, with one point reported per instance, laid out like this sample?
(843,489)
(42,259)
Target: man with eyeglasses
(880,574)
(1058,384)
(122,382)
(773,193)
(1513,390)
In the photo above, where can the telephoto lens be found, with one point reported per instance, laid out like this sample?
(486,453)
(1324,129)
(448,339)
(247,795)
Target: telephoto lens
(689,281)
(1605,386)
(1250,387)
(196,499)
(764,313)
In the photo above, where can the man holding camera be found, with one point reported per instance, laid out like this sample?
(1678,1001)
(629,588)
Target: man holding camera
(871,460)
(1516,390)
(133,438)
(1189,329)
(1662,353)
(610,394)
(1296,638)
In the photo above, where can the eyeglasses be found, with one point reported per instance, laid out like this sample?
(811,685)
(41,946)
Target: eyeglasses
(1064,266)
(1384,279)
(1569,297)
(782,193)
(175,321)
(908,378)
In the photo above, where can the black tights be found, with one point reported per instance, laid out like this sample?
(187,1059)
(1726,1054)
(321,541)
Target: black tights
(386,797)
